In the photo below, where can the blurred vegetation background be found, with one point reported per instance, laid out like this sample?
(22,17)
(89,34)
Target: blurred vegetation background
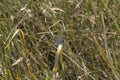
(91,32)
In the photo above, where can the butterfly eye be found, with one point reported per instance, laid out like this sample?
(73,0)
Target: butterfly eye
(59,40)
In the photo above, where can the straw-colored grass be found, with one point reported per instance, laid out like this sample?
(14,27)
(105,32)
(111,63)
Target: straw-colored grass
(91,32)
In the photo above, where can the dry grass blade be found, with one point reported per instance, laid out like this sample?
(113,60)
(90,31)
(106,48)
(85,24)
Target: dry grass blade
(17,61)
(105,58)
